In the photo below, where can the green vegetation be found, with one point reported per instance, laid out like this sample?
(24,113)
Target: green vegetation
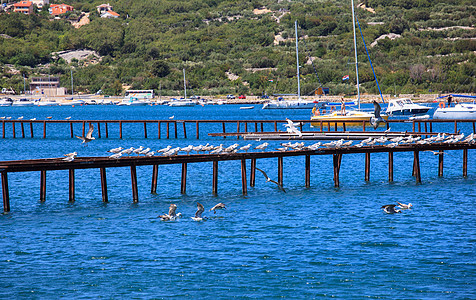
(153,40)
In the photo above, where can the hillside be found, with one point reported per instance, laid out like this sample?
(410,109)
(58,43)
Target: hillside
(246,47)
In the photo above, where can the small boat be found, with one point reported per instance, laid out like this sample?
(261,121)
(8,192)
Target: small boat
(293,104)
(423,117)
(71,102)
(182,102)
(23,102)
(247,107)
(132,101)
(463,111)
(405,106)
(46,103)
(351,117)
(6,102)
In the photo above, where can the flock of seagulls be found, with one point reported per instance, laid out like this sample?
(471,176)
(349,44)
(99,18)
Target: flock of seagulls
(172,215)
(390,208)
(32,119)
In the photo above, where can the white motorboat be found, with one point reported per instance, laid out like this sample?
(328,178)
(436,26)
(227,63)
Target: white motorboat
(46,103)
(405,106)
(247,107)
(293,104)
(182,102)
(132,101)
(6,102)
(23,102)
(463,111)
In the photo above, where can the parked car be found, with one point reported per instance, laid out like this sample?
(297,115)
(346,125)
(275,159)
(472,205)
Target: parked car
(242,97)
(230,97)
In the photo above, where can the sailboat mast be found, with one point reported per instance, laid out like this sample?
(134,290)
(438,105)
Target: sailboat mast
(184,84)
(356,61)
(72,91)
(297,61)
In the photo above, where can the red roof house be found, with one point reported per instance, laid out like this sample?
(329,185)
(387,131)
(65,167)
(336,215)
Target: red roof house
(24,7)
(59,9)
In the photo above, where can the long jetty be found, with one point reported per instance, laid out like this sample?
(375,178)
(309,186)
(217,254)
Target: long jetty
(418,127)
(102,163)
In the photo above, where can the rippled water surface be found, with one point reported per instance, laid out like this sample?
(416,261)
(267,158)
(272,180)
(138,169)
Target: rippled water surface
(305,243)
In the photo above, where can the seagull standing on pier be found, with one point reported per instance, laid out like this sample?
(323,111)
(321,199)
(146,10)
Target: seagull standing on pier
(198,214)
(376,119)
(270,180)
(262,146)
(115,150)
(245,148)
(89,136)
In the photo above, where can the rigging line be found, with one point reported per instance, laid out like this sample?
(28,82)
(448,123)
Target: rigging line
(312,63)
(368,56)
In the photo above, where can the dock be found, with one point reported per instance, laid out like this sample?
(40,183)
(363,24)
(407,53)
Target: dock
(103,163)
(193,128)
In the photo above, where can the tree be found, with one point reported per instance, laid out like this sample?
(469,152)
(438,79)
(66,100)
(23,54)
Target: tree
(160,68)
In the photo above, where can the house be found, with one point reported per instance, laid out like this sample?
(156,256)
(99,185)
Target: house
(24,7)
(103,8)
(59,9)
(40,3)
(47,86)
(109,14)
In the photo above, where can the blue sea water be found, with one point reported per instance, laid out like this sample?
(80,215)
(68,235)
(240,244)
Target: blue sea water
(305,243)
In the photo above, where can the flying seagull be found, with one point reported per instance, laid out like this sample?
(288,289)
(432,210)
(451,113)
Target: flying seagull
(198,214)
(270,180)
(89,136)
(171,216)
(390,209)
(218,206)
(376,119)
(404,206)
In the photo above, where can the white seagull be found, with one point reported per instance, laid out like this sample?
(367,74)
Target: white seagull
(171,216)
(404,206)
(116,156)
(115,150)
(376,119)
(218,206)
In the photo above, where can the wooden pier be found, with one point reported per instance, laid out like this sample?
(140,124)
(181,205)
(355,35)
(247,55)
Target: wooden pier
(179,127)
(102,163)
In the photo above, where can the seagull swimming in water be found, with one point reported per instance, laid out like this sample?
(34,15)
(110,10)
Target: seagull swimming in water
(89,136)
(390,209)
(404,206)
(218,206)
(198,214)
(270,180)
(376,119)
(171,216)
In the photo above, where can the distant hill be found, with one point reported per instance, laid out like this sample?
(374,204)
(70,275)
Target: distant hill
(248,47)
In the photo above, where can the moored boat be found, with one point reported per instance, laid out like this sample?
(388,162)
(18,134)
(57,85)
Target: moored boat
(405,106)
(464,111)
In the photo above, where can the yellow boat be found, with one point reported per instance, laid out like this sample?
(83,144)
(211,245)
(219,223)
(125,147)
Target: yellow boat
(351,118)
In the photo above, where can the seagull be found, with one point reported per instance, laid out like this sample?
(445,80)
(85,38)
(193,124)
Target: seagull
(49,117)
(376,119)
(390,209)
(270,180)
(262,146)
(164,149)
(89,136)
(115,150)
(138,150)
(20,118)
(74,154)
(218,206)
(172,117)
(3,118)
(127,151)
(116,156)
(33,119)
(68,158)
(150,154)
(9,118)
(198,214)
(171,216)
(245,148)
(145,151)
(436,152)
(67,118)
(404,206)
(187,149)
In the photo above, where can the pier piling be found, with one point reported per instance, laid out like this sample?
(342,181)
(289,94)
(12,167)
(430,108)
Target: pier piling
(44,129)
(390,166)
(183,188)
(280,170)
(5,194)
(71,185)
(367,166)
(31,129)
(155,176)
(215,178)
(465,162)
(416,163)
(243,177)
(102,171)
(70,129)
(145,130)
(308,171)
(336,158)
(253,172)
(42,186)
(13,130)
(135,193)
(22,130)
